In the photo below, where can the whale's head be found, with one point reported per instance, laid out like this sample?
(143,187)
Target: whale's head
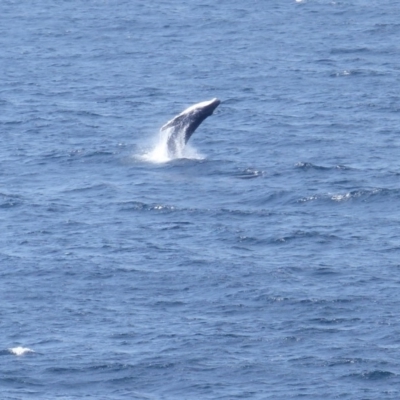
(203,109)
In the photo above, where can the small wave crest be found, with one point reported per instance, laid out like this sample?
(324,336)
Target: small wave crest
(373,375)
(249,173)
(310,166)
(361,195)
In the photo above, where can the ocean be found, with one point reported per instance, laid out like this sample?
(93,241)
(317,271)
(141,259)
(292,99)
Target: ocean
(262,264)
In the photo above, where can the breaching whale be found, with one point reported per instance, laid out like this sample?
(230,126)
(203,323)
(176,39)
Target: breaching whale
(181,128)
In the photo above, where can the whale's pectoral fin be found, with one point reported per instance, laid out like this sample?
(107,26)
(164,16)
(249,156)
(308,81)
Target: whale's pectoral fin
(174,123)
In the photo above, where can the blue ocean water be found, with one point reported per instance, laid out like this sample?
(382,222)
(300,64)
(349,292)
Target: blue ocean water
(264,265)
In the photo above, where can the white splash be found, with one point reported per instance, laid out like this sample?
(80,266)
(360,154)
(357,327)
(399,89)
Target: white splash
(161,154)
(19,351)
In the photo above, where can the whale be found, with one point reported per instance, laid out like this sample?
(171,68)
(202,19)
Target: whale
(179,130)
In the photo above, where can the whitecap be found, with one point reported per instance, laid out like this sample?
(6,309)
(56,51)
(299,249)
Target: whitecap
(341,197)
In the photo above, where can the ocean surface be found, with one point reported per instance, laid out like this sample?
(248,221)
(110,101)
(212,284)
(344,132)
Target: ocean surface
(263,264)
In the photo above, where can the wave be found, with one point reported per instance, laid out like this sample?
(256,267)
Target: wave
(373,375)
(362,195)
(9,201)
(308,236)
(350,50)
(308,166)
(130,206)
(357,72)
(249,173)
